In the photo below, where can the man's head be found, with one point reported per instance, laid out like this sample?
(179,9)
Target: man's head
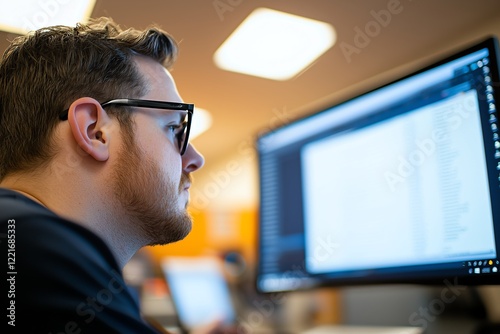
(42,73)
(129,155)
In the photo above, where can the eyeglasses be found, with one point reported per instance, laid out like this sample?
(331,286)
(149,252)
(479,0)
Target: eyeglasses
(182,135)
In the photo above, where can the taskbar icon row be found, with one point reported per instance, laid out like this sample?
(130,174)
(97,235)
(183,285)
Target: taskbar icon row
(482,266)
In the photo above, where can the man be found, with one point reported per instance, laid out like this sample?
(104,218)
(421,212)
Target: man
(90,171)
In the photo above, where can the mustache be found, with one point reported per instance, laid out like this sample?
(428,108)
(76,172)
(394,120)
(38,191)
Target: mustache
(185,179)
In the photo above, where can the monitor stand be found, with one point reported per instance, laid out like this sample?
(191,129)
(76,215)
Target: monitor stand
(348,329)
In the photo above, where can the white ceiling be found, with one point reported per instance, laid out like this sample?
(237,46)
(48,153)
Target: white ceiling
(242,105)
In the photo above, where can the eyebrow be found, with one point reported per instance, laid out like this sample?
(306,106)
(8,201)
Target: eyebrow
(182,115)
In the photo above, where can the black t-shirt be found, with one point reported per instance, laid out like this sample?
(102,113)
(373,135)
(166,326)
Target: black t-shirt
(61,277)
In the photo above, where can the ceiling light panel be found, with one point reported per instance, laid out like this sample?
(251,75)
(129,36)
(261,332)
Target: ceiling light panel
(274,45)
(22,16)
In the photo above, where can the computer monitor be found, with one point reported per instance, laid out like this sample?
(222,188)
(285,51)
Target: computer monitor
(400,184)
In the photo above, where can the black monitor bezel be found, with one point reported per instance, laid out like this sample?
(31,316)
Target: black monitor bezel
(436,277)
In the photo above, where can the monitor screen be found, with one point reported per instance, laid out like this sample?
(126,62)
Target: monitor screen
(400,184)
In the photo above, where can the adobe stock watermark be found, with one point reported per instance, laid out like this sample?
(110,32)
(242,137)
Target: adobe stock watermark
(46,10)
(425,315)
(324,251)
(373,28)
(263,311)
(87,310)
(426,148)
(223,6)
(221,179)
(60,168)
(292,279)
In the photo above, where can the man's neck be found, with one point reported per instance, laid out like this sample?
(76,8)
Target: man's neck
(95,216)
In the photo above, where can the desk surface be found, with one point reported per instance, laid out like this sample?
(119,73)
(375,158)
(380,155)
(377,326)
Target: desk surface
(333,329)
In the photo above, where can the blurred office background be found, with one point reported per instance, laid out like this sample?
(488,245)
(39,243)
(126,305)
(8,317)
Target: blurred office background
(374,42)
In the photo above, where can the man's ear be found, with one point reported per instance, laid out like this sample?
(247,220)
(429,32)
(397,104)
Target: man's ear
(90,127)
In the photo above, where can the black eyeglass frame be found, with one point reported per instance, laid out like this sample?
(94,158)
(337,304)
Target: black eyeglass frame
(188,107)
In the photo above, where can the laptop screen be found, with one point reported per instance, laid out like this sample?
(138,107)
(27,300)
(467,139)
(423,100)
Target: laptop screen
(199,291)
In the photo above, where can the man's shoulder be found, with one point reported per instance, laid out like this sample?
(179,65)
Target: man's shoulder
(14,204)
(41,232)
(65,275)
(49,245)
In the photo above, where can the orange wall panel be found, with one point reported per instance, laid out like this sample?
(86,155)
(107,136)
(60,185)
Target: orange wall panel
(215,233)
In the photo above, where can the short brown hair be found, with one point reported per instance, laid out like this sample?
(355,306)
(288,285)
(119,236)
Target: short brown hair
(43,72)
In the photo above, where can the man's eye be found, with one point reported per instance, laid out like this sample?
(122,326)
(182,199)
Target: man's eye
(174,128)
